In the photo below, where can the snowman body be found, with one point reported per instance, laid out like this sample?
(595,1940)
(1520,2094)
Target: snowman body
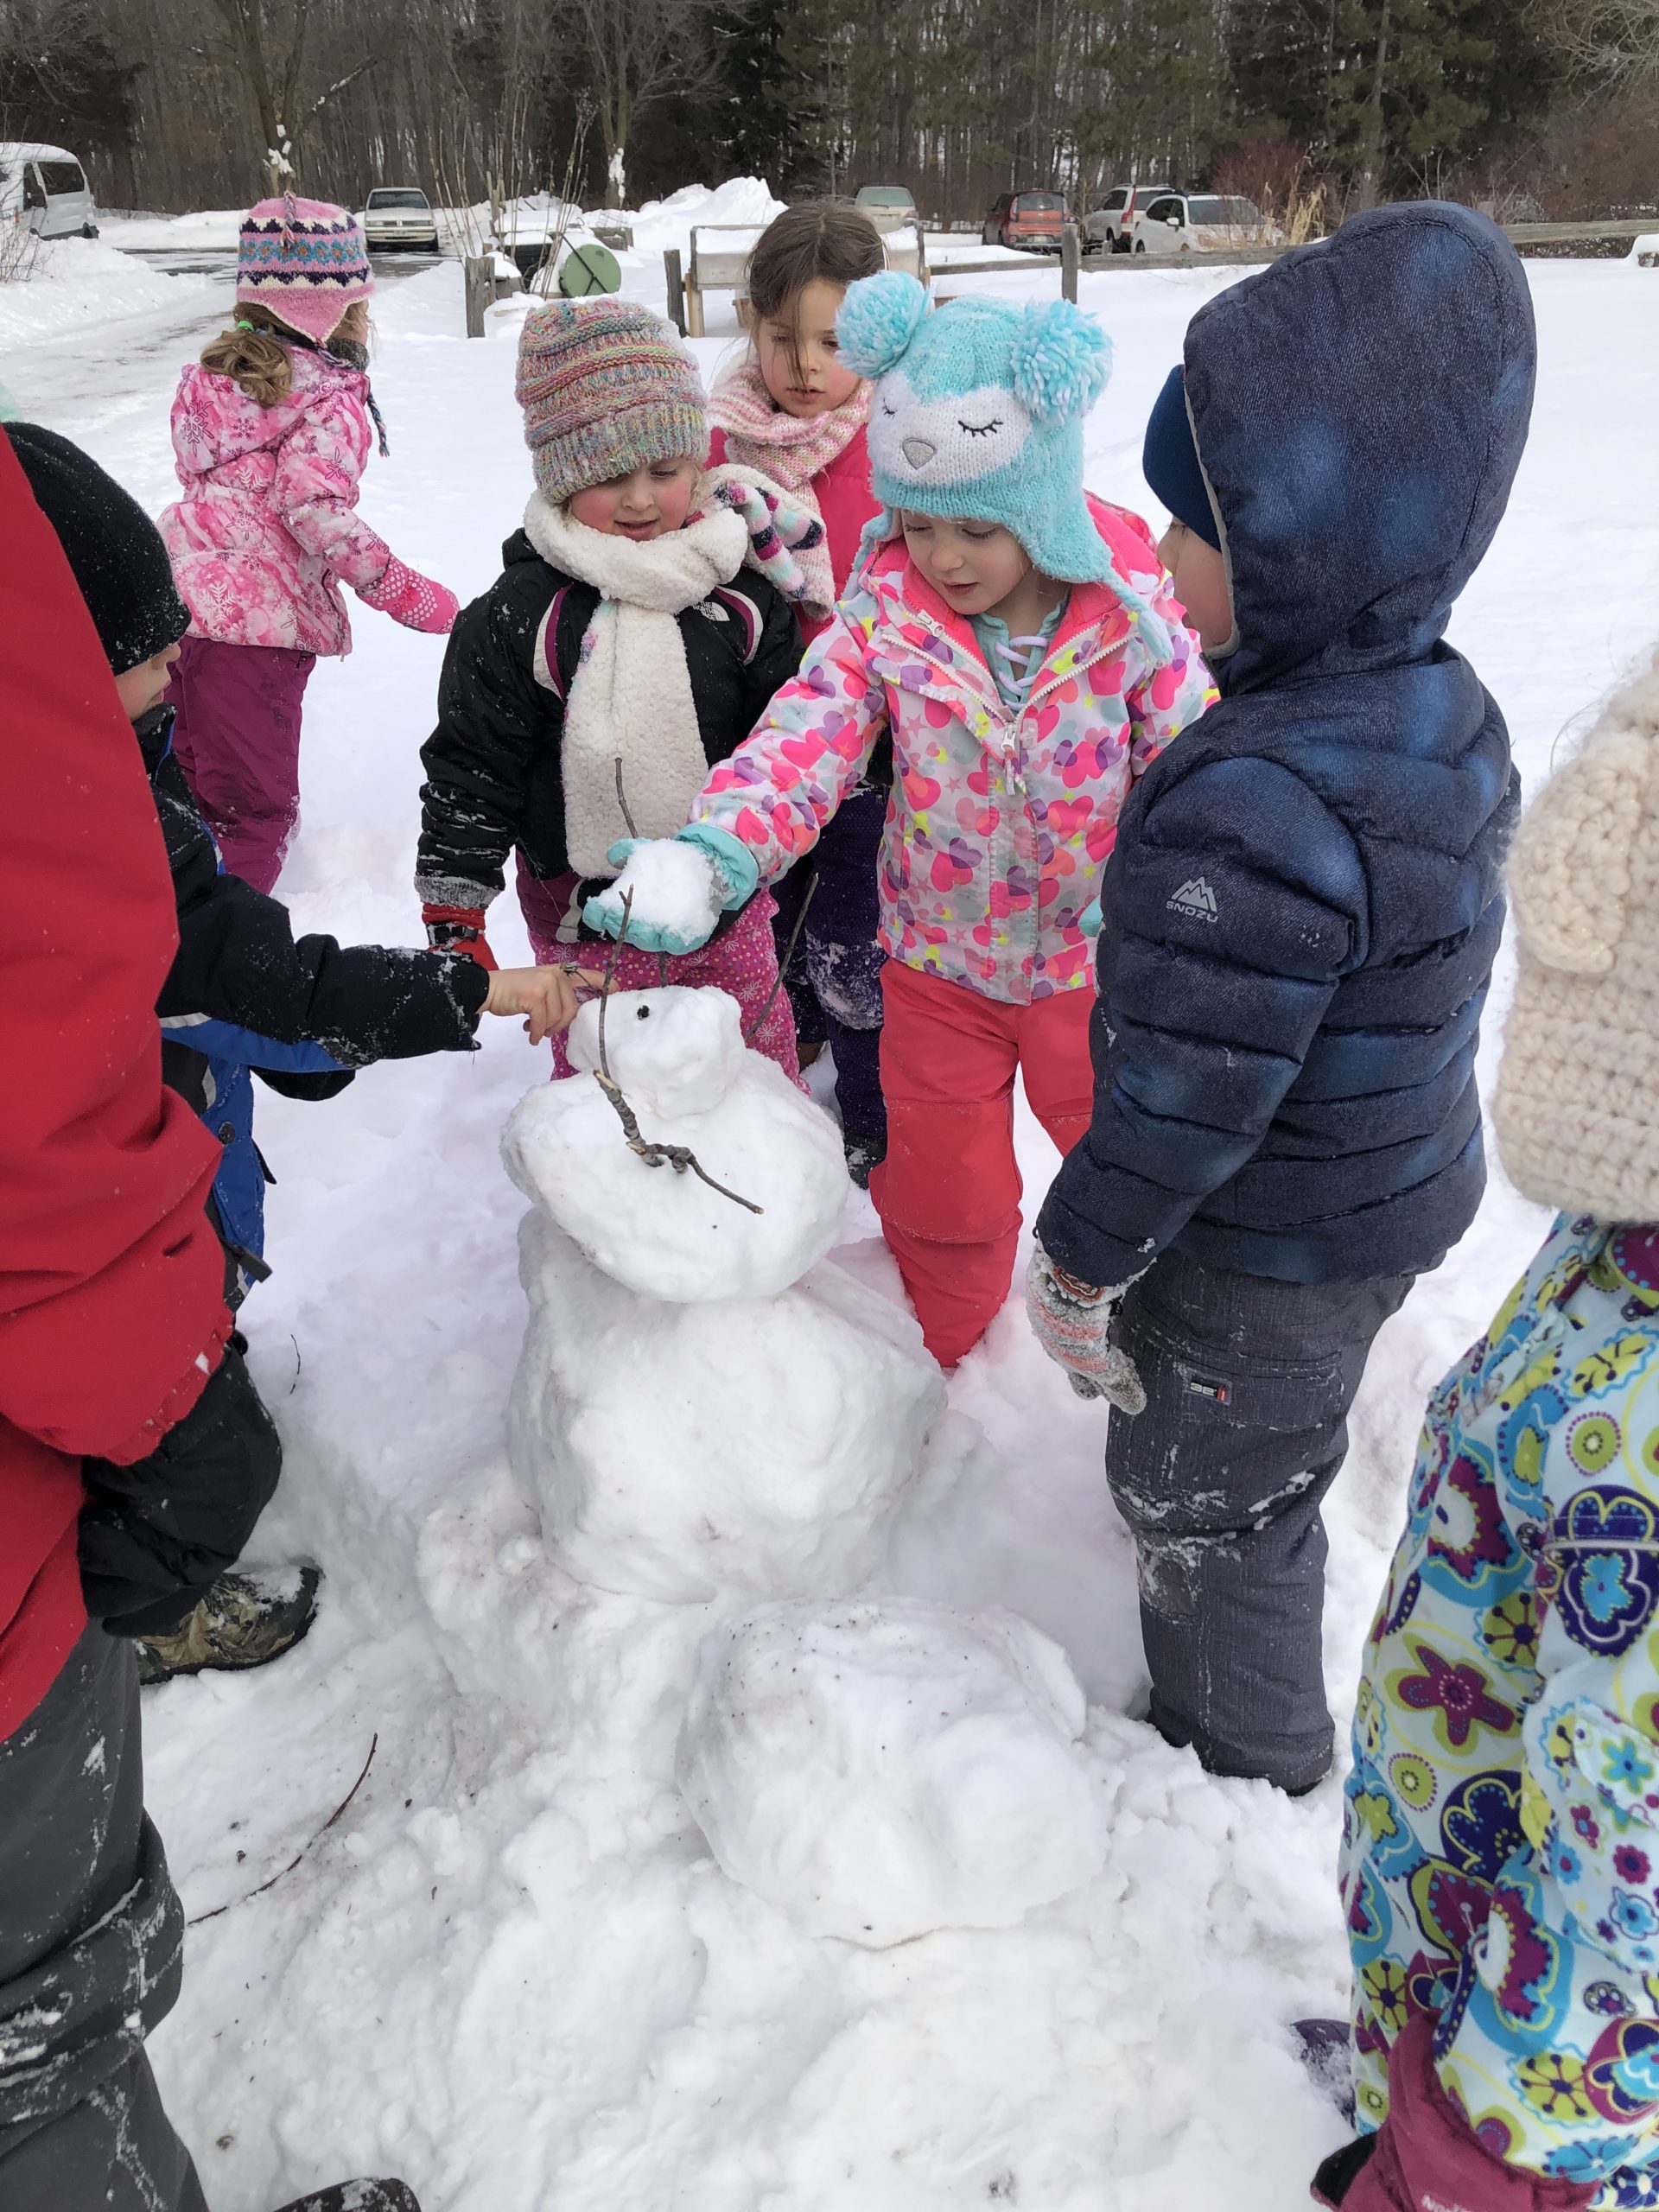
(704,1405)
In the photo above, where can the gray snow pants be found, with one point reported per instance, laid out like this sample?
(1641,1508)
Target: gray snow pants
(91,1937)
(1248,1382)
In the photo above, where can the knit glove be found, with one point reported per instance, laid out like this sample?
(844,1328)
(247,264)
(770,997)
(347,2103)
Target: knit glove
(787,544)
(677,886)
(1425,2158)
(458,929)
(413,599)
(1070,1319)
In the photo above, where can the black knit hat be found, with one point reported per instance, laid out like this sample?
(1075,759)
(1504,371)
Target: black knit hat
(114,548)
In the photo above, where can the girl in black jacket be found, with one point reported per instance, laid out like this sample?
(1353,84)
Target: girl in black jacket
(618,655)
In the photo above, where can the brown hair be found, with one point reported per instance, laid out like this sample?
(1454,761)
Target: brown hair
(254,352)
(820,241)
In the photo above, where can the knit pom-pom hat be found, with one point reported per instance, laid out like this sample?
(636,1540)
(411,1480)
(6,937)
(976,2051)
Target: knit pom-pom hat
(1577,1108)
(978,413)
(606,388)
(305,260)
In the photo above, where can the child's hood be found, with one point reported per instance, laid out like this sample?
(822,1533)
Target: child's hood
(1360,410)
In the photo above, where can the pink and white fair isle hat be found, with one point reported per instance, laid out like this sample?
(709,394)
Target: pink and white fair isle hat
(305,260)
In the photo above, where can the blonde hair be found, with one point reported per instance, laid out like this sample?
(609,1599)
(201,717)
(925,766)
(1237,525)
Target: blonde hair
(255,350)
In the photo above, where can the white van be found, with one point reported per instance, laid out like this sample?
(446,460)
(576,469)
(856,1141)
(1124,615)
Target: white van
(46,187)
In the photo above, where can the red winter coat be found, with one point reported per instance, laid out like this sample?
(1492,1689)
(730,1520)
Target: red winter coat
(112,1280)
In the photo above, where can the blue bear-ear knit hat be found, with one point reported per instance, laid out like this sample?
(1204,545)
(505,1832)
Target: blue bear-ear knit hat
(978,413)
(1169,461)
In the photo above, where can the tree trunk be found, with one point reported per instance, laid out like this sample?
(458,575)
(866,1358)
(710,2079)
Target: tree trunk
(1371,157)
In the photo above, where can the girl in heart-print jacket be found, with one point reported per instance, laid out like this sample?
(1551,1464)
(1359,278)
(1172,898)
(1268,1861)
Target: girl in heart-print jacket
(1000,823)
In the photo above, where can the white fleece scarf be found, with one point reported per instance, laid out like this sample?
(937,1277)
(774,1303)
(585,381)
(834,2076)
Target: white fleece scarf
(629,700)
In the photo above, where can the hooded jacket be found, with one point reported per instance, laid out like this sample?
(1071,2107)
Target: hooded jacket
(1300,917)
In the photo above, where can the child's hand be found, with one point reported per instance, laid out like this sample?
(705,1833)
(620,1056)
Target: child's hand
(548,996)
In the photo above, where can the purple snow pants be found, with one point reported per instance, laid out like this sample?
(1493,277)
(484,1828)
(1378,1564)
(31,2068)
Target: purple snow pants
(236,731)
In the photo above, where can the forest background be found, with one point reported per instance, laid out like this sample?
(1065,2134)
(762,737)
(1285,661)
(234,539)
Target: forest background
(1533,107)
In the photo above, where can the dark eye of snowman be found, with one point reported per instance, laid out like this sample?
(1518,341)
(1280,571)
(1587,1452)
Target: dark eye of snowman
(642,1013)
(980,429)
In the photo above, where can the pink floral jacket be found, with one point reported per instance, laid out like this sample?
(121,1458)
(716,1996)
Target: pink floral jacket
(269,517)
(999,824)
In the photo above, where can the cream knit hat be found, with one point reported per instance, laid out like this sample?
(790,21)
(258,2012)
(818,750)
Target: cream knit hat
(1577,1109)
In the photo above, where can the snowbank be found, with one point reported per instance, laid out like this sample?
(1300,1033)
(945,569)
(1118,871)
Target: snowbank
(76,282)
(210,229)
(662,224)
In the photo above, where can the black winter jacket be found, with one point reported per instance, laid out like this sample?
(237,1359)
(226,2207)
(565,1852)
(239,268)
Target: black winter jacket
(1304,903)
(493,764)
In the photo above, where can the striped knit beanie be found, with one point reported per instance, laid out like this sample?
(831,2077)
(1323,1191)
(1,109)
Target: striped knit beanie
(305,261)
(606,388)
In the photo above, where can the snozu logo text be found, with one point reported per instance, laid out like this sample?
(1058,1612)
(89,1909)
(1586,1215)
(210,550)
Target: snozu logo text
(1194,898)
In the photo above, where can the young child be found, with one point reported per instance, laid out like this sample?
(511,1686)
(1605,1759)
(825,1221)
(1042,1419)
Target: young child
(1299,932)
(242,995)
(1016,640)
(585,695)
(1500,1863)
(793,408)
(271,432)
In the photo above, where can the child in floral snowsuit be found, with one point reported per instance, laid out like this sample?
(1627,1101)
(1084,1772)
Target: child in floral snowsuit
(1501,1854)
(1013,753)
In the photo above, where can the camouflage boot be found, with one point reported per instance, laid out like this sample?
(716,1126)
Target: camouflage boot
(246,1620)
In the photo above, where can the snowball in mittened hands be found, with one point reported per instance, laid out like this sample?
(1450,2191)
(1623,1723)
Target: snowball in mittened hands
(417,601)
(675,888)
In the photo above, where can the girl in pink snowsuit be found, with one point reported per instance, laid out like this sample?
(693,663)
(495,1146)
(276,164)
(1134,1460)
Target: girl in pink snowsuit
(270,433)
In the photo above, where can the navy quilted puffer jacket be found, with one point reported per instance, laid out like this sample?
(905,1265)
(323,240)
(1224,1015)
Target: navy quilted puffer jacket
(1305,901)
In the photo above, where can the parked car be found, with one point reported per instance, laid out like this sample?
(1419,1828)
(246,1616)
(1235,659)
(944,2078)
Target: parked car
(1106,226)
(399,215)
(889,207)
(45,188)
(1200,222)
(1030,220)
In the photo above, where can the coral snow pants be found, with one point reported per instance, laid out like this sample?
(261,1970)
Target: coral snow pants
(948,1191)
(92,1943)
(236,731)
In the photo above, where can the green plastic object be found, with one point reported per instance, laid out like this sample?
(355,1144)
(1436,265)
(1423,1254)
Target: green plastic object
(588,269)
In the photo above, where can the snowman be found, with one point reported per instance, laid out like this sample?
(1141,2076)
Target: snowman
(705,1405)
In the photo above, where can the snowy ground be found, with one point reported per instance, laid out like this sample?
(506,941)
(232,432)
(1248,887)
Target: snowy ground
(511,1972)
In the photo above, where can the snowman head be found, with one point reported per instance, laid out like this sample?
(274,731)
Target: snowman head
(977,413)
(672,1051)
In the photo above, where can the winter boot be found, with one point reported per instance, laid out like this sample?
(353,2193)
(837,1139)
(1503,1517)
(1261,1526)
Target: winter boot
(1325,2048)
(358,2196)
(246,1620)
(864,1154)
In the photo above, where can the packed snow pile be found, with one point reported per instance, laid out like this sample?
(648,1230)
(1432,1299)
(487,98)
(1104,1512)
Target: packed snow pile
(661,223)
(689,1417)
(73,284)
(883,1770)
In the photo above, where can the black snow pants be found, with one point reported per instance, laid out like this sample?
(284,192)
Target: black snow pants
(91,1937)
(1248,1382)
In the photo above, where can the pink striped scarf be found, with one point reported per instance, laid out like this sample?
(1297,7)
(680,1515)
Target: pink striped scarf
(760,435)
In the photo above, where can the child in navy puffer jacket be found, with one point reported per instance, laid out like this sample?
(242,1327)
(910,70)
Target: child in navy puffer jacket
(1300,923)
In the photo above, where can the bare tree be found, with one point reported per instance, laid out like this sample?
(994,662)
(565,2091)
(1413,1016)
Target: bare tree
(1603,41)
(635,54)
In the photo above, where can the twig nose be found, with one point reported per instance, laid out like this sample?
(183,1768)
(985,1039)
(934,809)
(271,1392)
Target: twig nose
(917,451)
